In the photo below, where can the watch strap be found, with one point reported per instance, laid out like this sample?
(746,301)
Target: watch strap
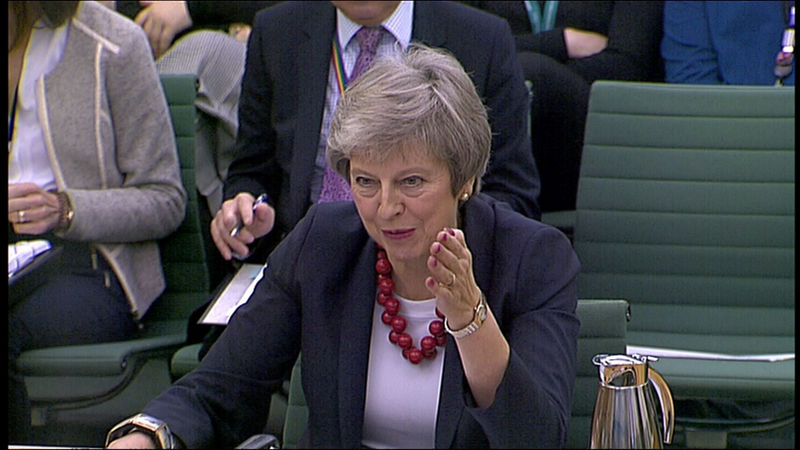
(65,211)
(479,314)
(156,428)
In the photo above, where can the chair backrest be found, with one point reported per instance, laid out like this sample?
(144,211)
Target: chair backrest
(603,328)
(296,410)
(686,209)
(183,252)
(603,325)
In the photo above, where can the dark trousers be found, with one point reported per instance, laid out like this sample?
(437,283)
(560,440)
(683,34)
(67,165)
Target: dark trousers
(558,118)
(75,303)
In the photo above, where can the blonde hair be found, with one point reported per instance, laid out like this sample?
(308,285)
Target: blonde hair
(421,97)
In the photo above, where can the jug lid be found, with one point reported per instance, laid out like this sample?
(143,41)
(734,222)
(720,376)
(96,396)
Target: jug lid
(622,370)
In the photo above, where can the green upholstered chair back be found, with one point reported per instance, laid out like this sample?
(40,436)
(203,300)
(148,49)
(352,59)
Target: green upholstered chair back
(603,325)
(183,252)
(603,329)
(79,392)
(686,209)
(296,409)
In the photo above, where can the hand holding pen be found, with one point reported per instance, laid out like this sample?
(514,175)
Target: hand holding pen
(239,222)
(259,200)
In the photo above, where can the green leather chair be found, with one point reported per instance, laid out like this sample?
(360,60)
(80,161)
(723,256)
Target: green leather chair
(686,209)
(296,410)
(79,392)
(603,327)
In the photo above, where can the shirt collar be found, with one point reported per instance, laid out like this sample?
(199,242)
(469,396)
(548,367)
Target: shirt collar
(45,50)
(398,24)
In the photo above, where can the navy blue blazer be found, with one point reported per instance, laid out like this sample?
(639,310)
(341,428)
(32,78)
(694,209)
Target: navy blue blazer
(318,294)
(283,95)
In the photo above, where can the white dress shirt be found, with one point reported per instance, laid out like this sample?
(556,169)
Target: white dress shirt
(28,161)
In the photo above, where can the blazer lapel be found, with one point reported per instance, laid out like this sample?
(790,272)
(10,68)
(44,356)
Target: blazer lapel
(313,61)
(451,405)
(354,346)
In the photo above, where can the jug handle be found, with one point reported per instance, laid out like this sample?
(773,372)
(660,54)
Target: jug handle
(667,407)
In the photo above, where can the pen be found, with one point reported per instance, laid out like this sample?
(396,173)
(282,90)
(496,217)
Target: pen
(261,199)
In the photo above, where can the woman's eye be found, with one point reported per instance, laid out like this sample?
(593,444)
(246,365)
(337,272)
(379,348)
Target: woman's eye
(366,186)
(412,181)
(364,182)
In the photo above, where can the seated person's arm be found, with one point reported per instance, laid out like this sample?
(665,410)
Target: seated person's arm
(632,50)
(687,49)
(162,21)
(253,170)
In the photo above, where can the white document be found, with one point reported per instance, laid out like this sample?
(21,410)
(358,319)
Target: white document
(235,294)
(691,354)
(22,253)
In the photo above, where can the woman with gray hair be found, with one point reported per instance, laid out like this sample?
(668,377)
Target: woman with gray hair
(428,315)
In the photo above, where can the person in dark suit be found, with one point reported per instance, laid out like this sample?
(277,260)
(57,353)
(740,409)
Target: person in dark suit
(436,317)
(564,47)
(289,92)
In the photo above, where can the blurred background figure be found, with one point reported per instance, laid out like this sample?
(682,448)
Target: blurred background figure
(728,42)
(92,168)
(207,39)
(165,22)
(563,47)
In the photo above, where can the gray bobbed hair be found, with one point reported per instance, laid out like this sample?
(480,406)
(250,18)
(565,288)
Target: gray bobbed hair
(420,98)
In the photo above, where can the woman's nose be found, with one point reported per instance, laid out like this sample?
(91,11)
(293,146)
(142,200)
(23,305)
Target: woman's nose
(391,203)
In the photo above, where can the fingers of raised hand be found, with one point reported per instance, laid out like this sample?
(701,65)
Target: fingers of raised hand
(454,252)
(450,260)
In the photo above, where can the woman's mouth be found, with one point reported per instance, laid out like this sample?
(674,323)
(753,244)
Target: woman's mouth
(398,233)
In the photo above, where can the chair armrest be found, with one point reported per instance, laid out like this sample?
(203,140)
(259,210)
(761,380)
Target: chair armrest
(106,359)
(260,441)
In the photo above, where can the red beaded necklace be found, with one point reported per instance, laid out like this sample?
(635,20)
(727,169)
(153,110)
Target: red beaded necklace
(397,323)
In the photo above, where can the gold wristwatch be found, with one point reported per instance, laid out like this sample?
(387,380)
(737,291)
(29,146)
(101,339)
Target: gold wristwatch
(478,317)
(157,429)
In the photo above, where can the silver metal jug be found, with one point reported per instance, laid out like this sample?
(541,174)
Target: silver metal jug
(625,411)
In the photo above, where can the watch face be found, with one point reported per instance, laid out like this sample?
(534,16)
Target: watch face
(482,309)
(159,430)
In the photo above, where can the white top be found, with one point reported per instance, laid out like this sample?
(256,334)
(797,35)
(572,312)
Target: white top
(398,26)
(28,161)
(402,399)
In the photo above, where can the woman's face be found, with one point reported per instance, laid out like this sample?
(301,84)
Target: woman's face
(404,201)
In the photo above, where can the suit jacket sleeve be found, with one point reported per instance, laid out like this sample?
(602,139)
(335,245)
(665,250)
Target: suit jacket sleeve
(632,52)
(533,402)
(226,398)
(550,43)
(254,167)
(512,176)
